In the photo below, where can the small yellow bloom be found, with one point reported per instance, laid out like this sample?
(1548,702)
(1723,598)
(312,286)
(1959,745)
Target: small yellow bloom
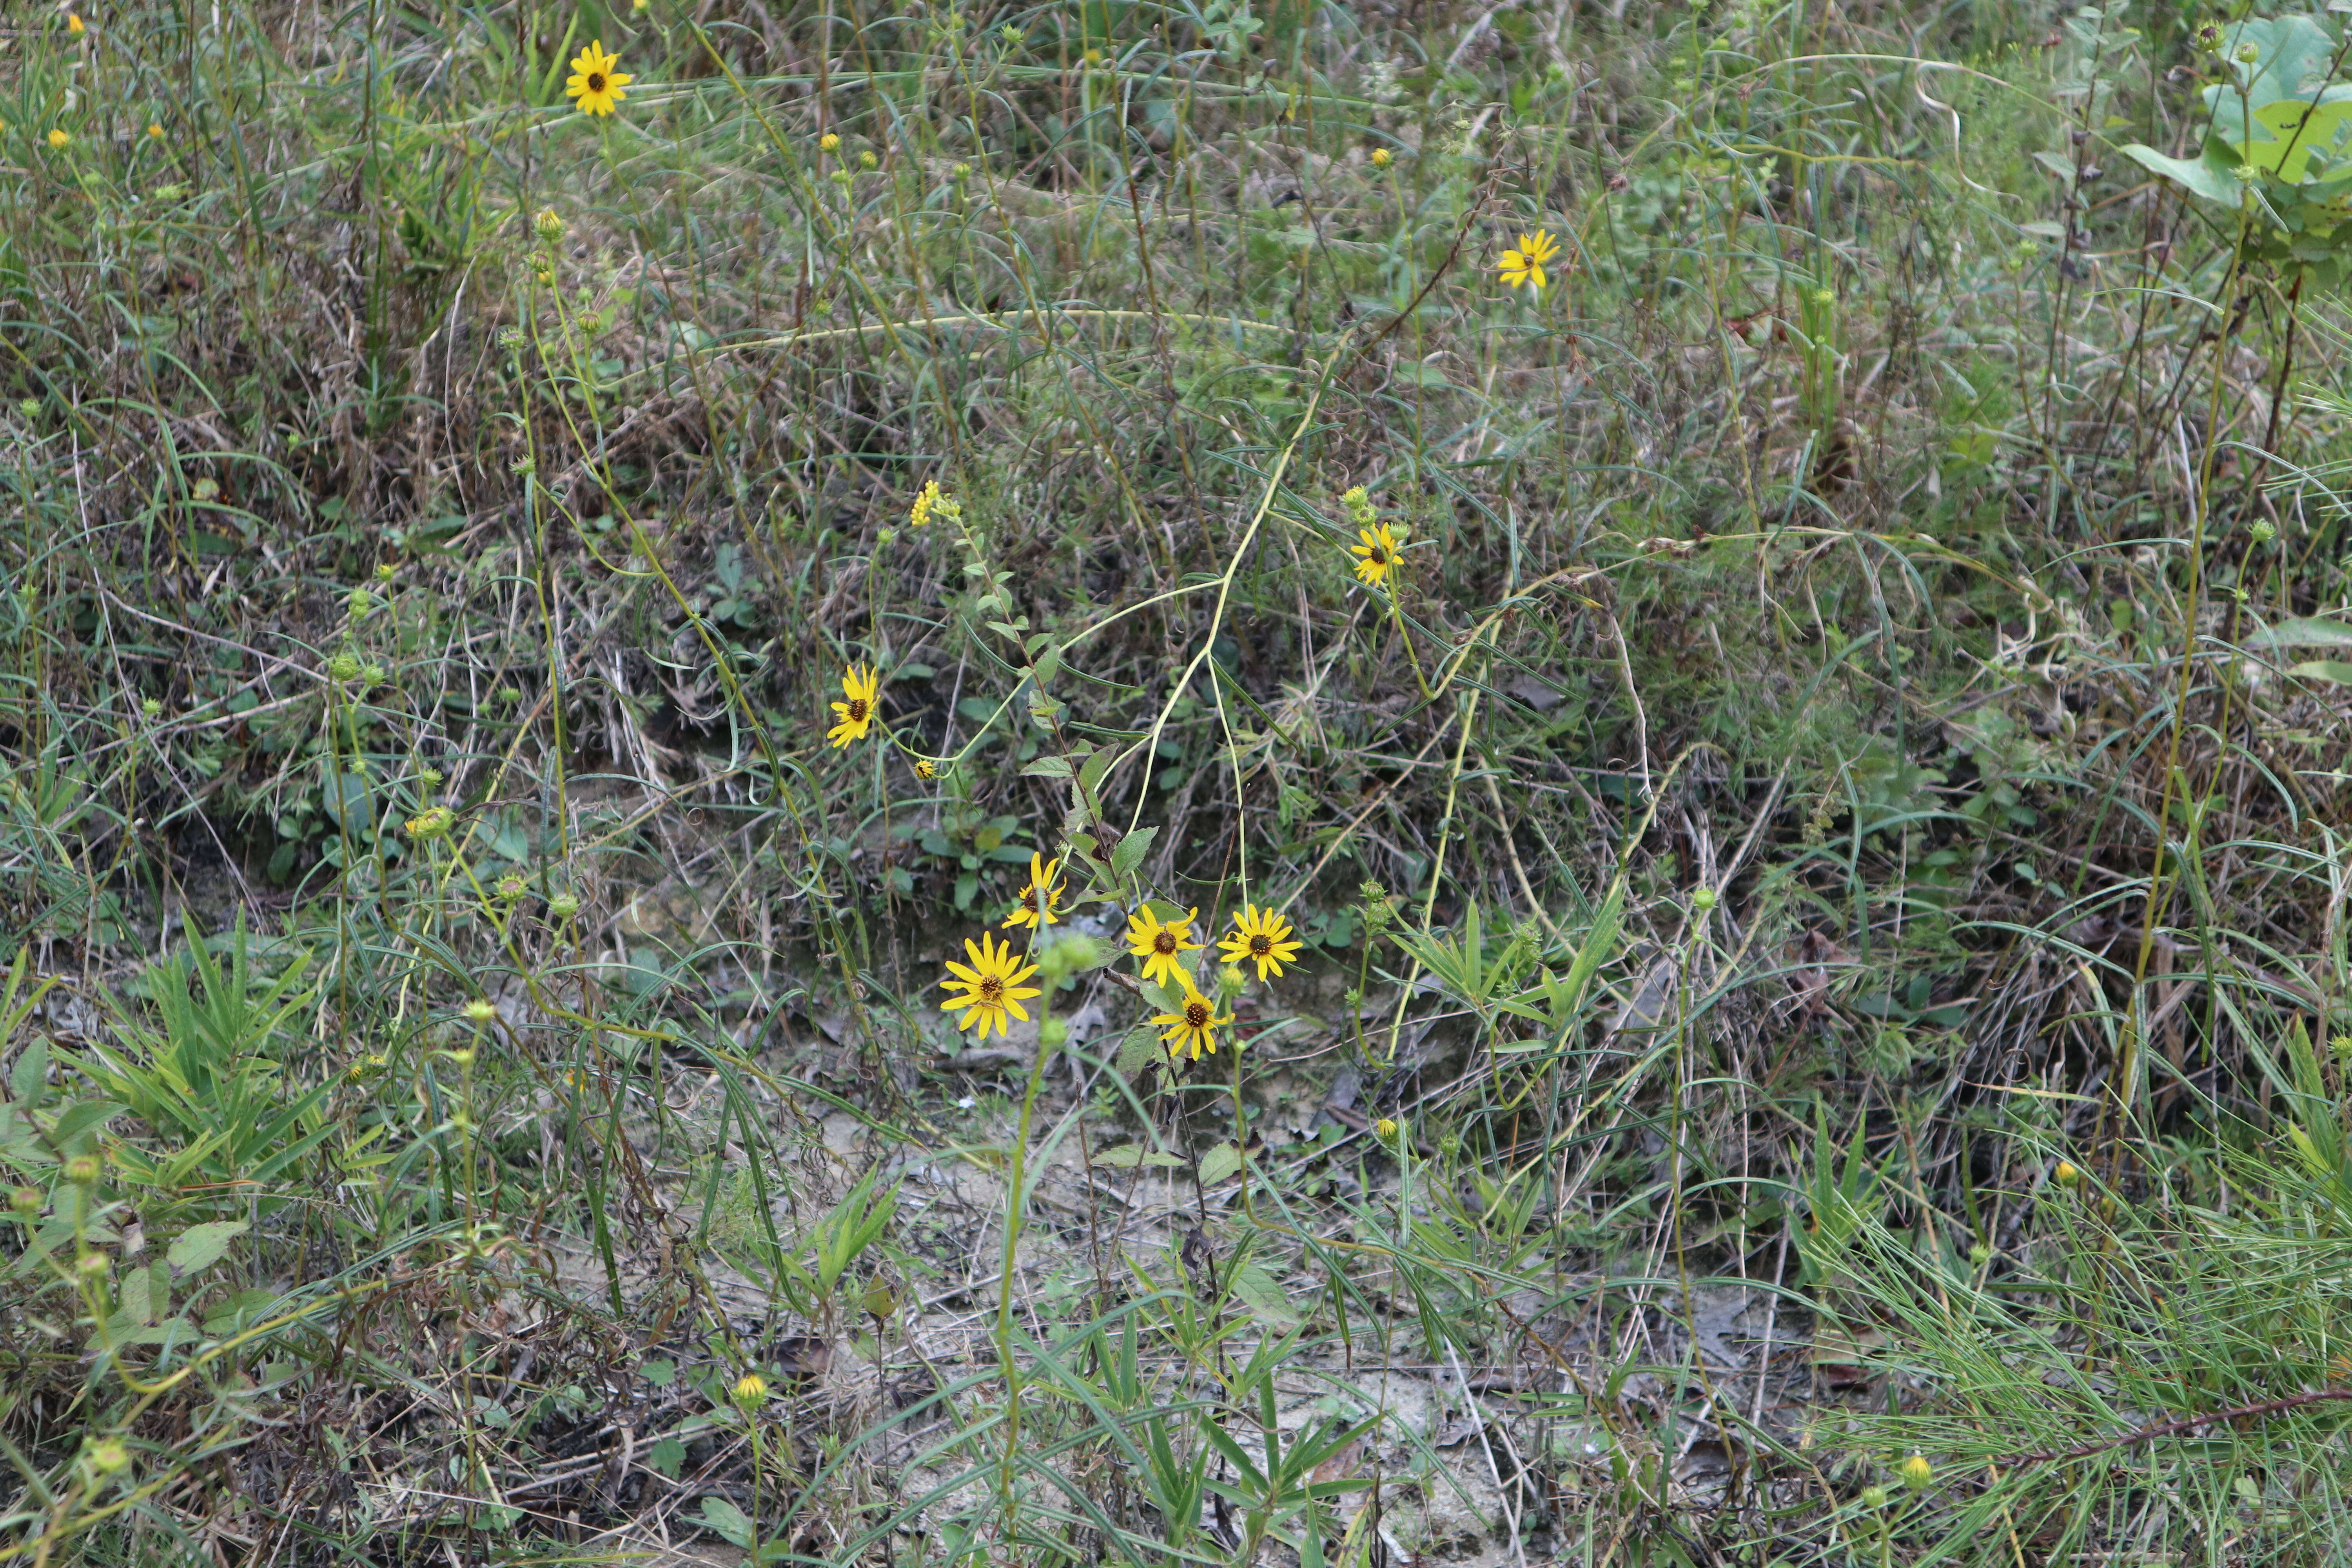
(1377,556)
(594,82)
(60,140)
(1386,1128)
(1194,1027)
(1918,1473)
(1381,157)
(925,769)
(750,1390)
(861,685)
(73,24)
(641,6)
(1260,936)
(2068,1177)
(1040,897)
(1161,946)
(828,143)
(481,1012)
(992,987)
(1525,266)
(154,131)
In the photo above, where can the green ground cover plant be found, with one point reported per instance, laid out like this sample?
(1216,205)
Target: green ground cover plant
(1174,784)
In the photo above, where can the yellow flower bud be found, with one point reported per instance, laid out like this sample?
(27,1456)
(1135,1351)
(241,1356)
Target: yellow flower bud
(1917,1472)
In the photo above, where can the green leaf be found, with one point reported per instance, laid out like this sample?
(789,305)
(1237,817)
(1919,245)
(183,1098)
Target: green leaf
(1140,1048)
(1258,1290)
(730,1523)
(2298,130)
(1129,851)
(200,1247)
(2335,671)
(2303,632)
(2204,177)
(668,1456)
(1048,768)
(1126,1156)
(1219,1163)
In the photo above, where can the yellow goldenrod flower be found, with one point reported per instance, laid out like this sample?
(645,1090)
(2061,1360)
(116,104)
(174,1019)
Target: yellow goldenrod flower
(1040,897)
(1260,936)
(1381,156)
(1525,266)
(1161,946)
(594,82)
(1376,556)
(921,513)
(992,987)
(1195,1027)
(828,143)
(861,685)
(60,140)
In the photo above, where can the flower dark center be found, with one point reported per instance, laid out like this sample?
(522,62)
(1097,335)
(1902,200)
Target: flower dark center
(1261,944)
(1165,943)
(858,710)
(1377,557)
(1196,1015)
(992,988)
(595,81)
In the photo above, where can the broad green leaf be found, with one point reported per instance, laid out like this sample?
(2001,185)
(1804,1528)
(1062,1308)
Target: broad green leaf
(730,1523)
(2298,128)
(1219,1163)
(2303,632)
(1128,852)
(1258,1290)
(200,1247)
(2335,671)
(2205,177)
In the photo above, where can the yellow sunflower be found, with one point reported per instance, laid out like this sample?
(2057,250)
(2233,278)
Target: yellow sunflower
(1260,936)
(1194,1027)
(594,82)
(861,685)
(1041,897)
(1377,555)
(1525,266)
(992,987)
(1160,946)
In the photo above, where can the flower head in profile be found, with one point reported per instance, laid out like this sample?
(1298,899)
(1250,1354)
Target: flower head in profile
(1261,937)
(73,24)
(1377,556)
(926,770)
(1040,897)
(1194,1027)
(854,717)
(828,143)
(992,987)
(1381,157)
(594,82)
(60,140)
(1525,266)
(1161,947)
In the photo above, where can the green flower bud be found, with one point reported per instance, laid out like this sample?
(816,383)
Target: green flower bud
(2263,533)
(1053,1034)
(1980,1255)
(83,1170)
(92,1265)
(563,906)
(1703,900)
(360,603)
(108,1456)
(345,666)
(432,823)
(1873,1498)
(511,887)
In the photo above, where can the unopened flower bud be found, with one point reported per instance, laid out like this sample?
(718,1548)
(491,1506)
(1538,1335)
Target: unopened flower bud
(92,1265)
(750,1391)
(1874,1497)
(83,1170)
(1703,900)
(1053,1033)
(345,666)
(1918,1473)
(1381,157)
(2263,533)
(549,225)
(26,1201)
(1387,1128)
(479,1011)
(108,1456)
(828,143)
(563,906)
(2066,1175)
